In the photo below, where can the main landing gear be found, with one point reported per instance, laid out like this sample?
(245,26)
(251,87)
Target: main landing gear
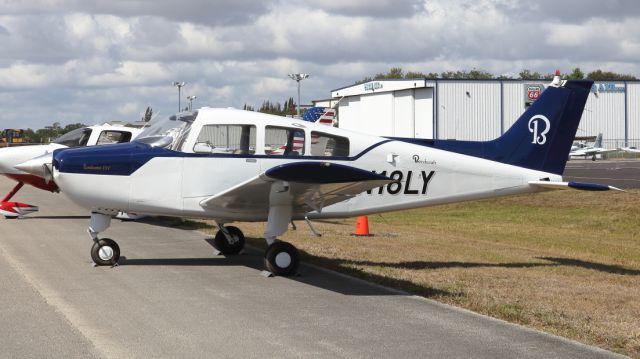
(280,258)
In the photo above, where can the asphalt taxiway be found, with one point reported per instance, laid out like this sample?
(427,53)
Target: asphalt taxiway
(171,297)
(618,173)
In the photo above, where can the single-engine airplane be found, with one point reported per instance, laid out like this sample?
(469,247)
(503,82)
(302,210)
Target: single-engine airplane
(232,165)
(12,156)
(592,151)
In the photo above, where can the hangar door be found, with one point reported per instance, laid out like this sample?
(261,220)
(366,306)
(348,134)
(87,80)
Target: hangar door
(403,113)
(413,113)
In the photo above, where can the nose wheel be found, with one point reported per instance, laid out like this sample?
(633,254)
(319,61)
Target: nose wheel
(105,252)
(282,258)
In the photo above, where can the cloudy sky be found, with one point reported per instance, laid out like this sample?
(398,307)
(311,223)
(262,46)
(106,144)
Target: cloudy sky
(73,61)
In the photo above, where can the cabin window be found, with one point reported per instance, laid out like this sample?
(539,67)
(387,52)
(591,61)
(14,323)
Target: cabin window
(283,141)
(109,137)
(230,139)
(326,145)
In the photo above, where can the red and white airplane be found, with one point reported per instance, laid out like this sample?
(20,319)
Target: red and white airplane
(13,156)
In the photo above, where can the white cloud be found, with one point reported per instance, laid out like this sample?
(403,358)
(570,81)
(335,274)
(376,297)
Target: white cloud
(79,61)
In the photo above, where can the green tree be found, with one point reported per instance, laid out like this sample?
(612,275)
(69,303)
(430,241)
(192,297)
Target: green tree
(599,75)
(71,127)
(394,73)
(528,75)
(576,74)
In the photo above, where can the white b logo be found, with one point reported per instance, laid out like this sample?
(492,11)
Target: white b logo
(539,136)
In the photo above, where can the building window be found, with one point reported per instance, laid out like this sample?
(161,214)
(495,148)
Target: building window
(326,145)
(283,141)
(230,139)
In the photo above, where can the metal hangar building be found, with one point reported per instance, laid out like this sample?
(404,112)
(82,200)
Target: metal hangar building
(476,109)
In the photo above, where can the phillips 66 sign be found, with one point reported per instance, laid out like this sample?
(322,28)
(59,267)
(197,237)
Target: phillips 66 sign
(532,92)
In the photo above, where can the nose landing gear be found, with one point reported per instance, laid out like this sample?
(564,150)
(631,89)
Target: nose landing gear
(105,252)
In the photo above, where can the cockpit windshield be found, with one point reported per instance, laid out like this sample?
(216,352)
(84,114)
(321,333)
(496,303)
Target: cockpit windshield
(169,132)
(76,138)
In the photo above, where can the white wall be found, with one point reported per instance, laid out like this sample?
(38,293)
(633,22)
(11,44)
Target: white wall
(513,102)
(468,110)
(604,113)
(403,114)
(423,113)
(633,100)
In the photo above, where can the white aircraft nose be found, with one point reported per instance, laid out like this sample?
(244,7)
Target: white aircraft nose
(39,166)
(7,160)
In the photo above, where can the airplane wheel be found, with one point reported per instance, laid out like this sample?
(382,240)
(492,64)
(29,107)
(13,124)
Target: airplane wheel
(225,246)
(282,258)
(10,217)
(105,252)
(593,158)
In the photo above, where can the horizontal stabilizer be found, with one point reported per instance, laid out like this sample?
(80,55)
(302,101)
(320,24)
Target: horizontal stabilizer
(573,185)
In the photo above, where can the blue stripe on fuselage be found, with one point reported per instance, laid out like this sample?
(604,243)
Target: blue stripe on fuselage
(126,158)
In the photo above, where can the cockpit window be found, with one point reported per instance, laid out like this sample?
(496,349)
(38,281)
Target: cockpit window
(176,127)
(76,138)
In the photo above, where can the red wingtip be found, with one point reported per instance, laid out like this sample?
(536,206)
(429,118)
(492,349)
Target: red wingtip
(557,72)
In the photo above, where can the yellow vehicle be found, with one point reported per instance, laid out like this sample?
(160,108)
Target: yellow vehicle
(12,136)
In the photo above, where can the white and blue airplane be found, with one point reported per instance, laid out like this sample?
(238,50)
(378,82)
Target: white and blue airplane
(232,165)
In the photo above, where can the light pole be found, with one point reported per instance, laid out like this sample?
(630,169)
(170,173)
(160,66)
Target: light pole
(179,85)
(298,78)
(191,98)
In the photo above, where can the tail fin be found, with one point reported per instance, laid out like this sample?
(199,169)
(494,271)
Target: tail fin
(541,138)
(598,143)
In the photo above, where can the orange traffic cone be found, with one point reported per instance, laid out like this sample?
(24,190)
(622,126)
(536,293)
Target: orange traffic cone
(362,227)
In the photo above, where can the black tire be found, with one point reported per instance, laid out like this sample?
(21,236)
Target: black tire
(109,255)
(11,217)
(282,258)
(224,246)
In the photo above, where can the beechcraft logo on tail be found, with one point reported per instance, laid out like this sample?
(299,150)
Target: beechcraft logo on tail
(539,133)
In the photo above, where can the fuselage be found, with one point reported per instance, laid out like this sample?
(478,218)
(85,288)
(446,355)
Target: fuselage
(140,178)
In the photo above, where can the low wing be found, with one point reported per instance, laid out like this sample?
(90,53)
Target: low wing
(630,150)
(573,185)
(591,151)
(311,185)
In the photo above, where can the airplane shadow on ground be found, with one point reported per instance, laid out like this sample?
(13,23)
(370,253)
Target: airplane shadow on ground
(607,268)
(554,262)
(252,257)
(55,217)
(310,275)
